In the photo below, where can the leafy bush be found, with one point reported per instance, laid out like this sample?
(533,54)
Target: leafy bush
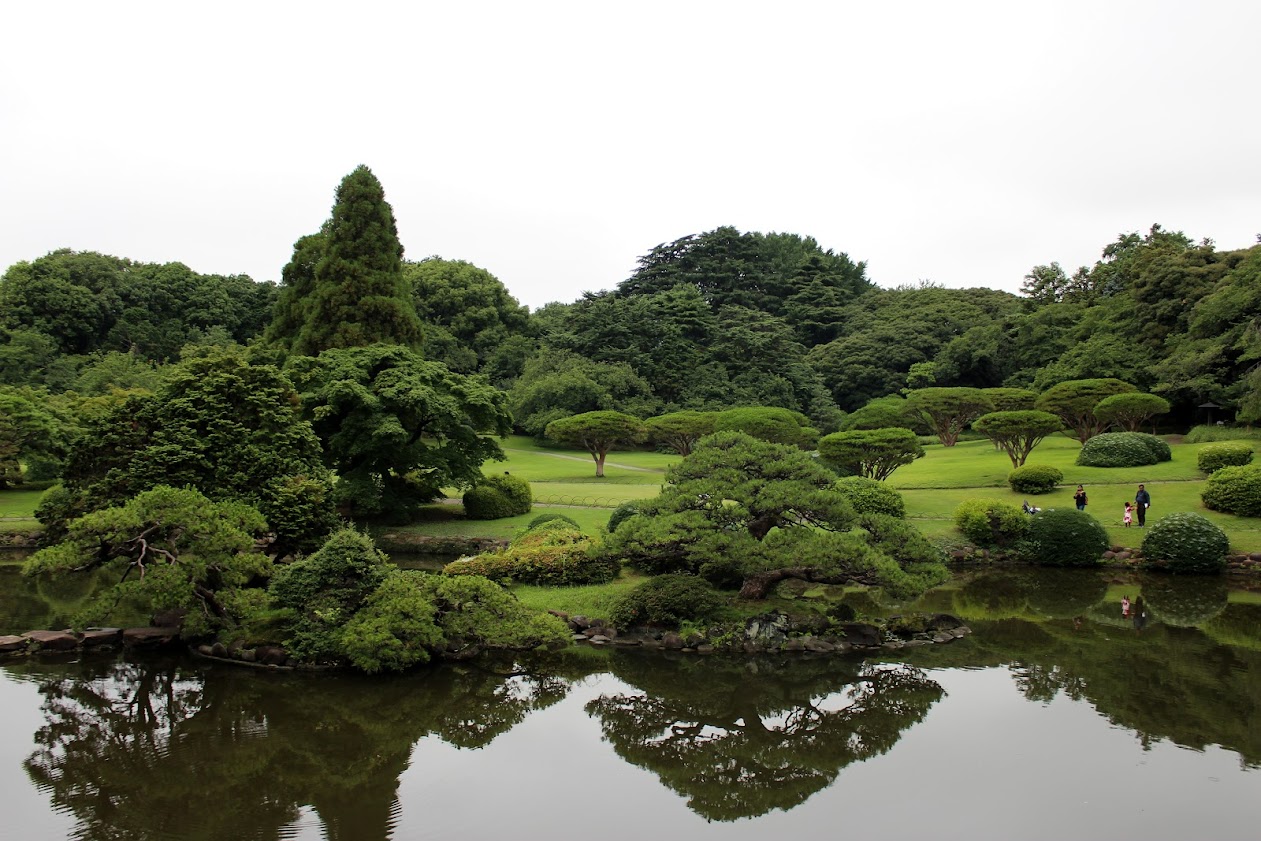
(394,629)
(1123,449)
(1205,434)
(868,496)
(906,545)
(553,554)
(1066,537)
(1234,490)
(623,512)
(1225,454)
(496,497)
(1185,542)
(1035,479)
(988,522)
(544,519)
(667,601)
(325,590)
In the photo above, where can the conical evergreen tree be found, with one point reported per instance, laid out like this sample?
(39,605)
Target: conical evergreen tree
(356,294)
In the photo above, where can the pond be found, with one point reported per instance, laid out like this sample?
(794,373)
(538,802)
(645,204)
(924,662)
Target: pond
(1057,718)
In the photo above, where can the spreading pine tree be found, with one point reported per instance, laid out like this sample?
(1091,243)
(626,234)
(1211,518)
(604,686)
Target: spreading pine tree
(345,285)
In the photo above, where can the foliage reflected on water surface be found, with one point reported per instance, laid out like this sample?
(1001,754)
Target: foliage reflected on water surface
(739,738)
(127,746)
(130,748)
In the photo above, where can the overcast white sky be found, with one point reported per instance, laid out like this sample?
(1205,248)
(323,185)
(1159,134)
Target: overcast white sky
(554,143)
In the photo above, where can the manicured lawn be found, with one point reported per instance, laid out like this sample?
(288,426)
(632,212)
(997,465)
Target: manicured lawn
(976,464)
(593,600)
(565,465)
(932,510)
(602,495)
(19,503)
(449,521)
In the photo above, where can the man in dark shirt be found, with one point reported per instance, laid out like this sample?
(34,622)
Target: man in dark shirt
(1142,499)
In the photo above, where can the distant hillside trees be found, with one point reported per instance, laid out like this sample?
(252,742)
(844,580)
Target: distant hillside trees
(59,310)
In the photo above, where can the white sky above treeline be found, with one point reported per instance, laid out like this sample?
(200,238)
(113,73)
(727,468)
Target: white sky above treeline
(553,143)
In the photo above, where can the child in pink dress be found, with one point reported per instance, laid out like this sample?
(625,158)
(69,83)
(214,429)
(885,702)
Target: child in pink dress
(1129,514)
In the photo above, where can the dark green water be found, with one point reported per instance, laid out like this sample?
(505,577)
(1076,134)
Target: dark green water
(1058,718)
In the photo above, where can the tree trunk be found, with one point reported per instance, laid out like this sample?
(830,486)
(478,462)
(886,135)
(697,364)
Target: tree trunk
(599,464)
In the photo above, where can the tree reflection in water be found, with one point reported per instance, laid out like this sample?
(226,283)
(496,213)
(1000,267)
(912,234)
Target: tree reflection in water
(740,738)
(165,748)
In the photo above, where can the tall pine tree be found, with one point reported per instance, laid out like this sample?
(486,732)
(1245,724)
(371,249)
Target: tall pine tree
(345,286)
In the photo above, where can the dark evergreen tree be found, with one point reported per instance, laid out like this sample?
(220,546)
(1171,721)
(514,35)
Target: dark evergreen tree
(358,296)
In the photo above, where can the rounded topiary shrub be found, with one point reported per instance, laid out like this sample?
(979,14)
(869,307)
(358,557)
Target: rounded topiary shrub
(496,497)
(1213,457)
(622,512)
(871,497)
(559,519)
(1066,537)
(1035,479)
(1185,542)
(987,522)
(1157,445)
(667,601)
(1123,449)
(1234,490)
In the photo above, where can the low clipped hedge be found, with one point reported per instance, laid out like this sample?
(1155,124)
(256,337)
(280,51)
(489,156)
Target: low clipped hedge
(667,601)
(1185,542)
(1213,457)
(497,497)
(868,496)
(1123,449)
(1035,479)
(554,555)
(1234,490)
(1066,537)
(989,523)
(1205,433)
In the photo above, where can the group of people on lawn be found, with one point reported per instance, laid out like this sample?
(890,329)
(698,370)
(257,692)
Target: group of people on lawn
(1142,501)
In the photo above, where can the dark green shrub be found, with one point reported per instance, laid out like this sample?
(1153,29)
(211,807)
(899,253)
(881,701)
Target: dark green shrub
(1123,449)
(725,573)
(1185,542)
(553,555)
(622,512)
(1066,537)
(987,522)
(868,496)
(324,590)
(1214,457)
(667,601)
(906,544)
(1035,479)
(496,497)
(1234,490)
(544,519)
(1159,446)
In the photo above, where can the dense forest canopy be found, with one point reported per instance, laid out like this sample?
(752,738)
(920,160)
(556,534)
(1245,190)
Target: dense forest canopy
(709,321)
